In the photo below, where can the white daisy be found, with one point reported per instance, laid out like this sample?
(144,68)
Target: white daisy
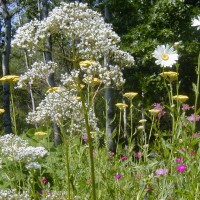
(196,22)
(166,56)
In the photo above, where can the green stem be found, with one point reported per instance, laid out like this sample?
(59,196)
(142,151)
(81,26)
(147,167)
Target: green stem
(66,159)
(197,91)
(13,109)
(172,108)
(131,112)
(87,126)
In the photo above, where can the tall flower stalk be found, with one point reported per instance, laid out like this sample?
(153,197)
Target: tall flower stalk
(196,90)
(130,96)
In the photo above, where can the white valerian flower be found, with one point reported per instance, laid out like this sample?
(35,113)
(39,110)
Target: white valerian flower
(16,149)
(80,26)
(166,56)
(196,22)
(13,194)
(39,72)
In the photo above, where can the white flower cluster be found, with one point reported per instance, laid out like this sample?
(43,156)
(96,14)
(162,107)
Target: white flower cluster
(14,148)
(58,195)
(13,195)
(70,80)
(62,106)
(33,165)
(26,36)
(39,71)
(110,76)
(83,28)
(196,22)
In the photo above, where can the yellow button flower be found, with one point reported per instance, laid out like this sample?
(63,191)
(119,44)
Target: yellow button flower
(154,111)
(130,95)
(40,133)
(169,76)
(86,63)
(180,98)
(52,89)
(10,79)
(121,105)
(2,111)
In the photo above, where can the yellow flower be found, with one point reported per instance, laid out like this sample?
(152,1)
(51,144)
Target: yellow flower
(140,127)
(169,76)
(86,63)
(10,78)
(2,111)
(52,89)
(40,133)
(130,95)
(92,82)
(93,134)
(142,121)
(154,111)
(78,98)
(121,105)
(76,86)
(180,98)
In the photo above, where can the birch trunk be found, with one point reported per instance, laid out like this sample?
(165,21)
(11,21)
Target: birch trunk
(5,67)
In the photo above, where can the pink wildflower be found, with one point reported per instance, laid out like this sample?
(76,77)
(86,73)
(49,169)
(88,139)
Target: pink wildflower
(179,160)
(149,188)
(192,118)
(159,107)
(85,138)
(185,107)
(196,135)
(118,176)
(181,168)
(162,172)
(138,154)
(44,180)
(124,158)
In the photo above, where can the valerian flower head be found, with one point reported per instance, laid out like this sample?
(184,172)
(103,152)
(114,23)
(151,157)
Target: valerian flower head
(16,149)
(39,72)
(196,22)
(79,25)
(166,56)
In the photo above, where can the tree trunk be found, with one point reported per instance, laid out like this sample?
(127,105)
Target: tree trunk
(48,57)
(109,100)
(5,67)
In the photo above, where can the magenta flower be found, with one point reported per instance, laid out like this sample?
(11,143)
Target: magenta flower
(124,158)
(118,176)
(44,180)
(181,168)
(149,188)
(162,172)
(179,160)
(85,138)
(138,154)
(192,118)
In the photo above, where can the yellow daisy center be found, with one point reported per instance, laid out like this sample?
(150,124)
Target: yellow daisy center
(165,56)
